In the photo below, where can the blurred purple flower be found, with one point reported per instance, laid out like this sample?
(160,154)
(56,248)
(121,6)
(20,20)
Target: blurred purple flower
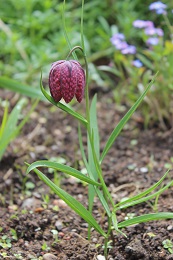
(153,31)
(121,45)
(143,24)
(137,63)
(159,7)
(130,49)
(118,41)
(152,41)
(161,11)
(117,37)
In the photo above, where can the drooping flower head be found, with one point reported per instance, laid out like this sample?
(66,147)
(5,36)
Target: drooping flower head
(66,80)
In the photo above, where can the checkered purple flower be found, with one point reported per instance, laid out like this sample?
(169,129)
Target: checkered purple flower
(66,80)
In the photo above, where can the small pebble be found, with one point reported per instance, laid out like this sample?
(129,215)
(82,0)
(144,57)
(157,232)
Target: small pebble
(84,225)
(170,227)
(36,195)
(60,203)
(101,257)
(94,240)
(49,256)
(144,169)
(40,149)
(13,208)
(31,256)
(61,234)
(58,225)
(30,203)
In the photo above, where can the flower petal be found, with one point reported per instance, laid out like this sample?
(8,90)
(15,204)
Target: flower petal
(54,81)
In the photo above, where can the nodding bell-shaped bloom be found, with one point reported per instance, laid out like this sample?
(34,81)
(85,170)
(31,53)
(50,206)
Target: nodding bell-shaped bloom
(66,80)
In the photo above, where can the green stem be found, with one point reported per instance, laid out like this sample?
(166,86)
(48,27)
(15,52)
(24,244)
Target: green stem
(81,28)
(86,86)
(107,238)
(89,130)
(65,32)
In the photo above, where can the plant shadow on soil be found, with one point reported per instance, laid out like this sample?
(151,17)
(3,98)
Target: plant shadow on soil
(135,162)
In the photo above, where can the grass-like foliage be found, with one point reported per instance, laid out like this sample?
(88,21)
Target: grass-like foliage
(12,124)
(93,158)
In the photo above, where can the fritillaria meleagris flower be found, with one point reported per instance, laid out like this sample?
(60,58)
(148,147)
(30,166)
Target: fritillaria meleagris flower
(66,80)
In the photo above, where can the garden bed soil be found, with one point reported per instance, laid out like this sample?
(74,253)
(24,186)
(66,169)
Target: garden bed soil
(31,215)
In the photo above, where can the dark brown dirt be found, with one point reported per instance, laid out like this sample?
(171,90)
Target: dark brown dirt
(137,160)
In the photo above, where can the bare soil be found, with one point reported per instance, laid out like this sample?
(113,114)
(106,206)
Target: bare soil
(30,213)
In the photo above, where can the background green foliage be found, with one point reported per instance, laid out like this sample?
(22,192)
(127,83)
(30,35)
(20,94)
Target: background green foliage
(31,36)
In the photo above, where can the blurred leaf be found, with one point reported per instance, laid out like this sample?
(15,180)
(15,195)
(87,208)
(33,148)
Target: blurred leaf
(18,87)
(10,129)
(145,61)
(111,70)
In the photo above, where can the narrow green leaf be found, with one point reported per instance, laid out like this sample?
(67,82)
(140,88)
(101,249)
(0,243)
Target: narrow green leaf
(123,121)
(72,203)
(4,120)
(94,126)
(145,218)
(15,129)
(110,69)
(62,106)
(9,132)
(115,224)
(99,193)
(147,198)
(26,118)
(95,145)
(63,168)
(144,193)
(18,87)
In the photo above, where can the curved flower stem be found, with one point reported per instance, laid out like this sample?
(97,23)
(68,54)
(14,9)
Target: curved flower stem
(86,75)
(98,167)
(106,193)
